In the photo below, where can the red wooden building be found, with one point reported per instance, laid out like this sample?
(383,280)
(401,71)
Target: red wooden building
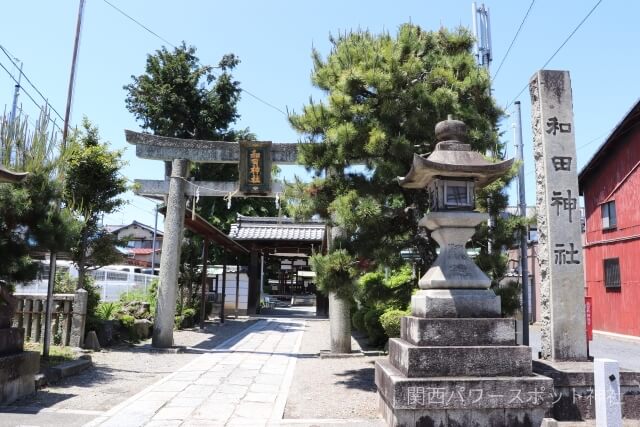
(610,184)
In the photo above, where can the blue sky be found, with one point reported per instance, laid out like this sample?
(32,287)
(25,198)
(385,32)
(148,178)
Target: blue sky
(273,40)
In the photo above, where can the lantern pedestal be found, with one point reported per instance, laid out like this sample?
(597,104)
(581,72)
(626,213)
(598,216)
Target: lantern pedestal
(457,362)
(453,269)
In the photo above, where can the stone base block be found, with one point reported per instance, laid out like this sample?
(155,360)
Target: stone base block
(438,303)
(458,332)
(414,361)
(17,375)
(459,418)
(11,341)
(461,401)
(575,393)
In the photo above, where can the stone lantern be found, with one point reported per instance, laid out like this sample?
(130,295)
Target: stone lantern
(451,175)
(456,362)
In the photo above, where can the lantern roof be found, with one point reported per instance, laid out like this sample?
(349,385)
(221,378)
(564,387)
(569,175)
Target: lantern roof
(453,158)
(8,176)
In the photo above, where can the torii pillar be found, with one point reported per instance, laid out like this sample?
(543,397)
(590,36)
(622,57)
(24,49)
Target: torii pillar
(171,247)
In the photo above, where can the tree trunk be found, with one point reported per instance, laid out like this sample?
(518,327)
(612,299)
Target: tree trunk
(340,324)
(82,259)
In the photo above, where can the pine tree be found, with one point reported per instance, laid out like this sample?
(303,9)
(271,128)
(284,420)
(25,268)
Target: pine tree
(384,96)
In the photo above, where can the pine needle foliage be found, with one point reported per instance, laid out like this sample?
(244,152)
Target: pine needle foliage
(384,95)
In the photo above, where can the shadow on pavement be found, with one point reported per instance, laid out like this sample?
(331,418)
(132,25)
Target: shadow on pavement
(29,405)
(361,379)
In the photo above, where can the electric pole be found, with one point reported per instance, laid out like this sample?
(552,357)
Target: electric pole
(72,76)
(16,94)
(13,154)
(522,204)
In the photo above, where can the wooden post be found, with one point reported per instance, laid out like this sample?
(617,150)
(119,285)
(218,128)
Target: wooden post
(36,318)
(224,285)
(19,318)
(55,321)
(46,342)
(237,285)
(28,310)
(66,323)
(203,305)
(253,300)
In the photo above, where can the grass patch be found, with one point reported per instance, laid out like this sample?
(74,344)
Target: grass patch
(57,354)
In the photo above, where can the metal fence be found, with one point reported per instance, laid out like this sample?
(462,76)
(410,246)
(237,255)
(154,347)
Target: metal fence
(112,284)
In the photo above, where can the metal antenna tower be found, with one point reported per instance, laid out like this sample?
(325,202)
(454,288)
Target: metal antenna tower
(482,32)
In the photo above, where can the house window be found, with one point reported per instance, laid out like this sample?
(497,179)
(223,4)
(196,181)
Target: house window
(609,219)
(612,273)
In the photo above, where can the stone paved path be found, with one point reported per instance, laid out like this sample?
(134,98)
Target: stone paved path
(241,383)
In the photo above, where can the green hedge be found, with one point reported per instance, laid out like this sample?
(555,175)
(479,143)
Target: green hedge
(374,328)
(357,319)
(390,321)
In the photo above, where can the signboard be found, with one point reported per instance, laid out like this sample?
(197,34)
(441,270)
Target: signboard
(255,167)
(588,312)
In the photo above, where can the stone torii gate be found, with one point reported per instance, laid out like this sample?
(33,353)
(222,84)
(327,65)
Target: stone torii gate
(177,154)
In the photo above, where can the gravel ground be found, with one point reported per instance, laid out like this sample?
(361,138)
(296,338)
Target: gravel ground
(333,388)
(120,372)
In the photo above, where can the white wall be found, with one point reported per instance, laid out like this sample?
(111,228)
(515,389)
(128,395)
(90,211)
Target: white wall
(230,292)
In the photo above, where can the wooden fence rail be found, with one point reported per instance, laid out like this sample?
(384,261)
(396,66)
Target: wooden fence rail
(31,315)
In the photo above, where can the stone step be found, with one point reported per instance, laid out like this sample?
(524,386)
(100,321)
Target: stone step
(435,361)
(458,332)
(455,393)
(67,369)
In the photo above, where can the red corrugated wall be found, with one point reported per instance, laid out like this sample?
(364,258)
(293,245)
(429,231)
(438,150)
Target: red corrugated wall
(618,172)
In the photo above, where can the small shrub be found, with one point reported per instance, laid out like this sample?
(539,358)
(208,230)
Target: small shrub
(64,283)
(177,322)
(371,288)
(134,296)
(390,321)
(357,319)
(93,294)
(127,321)
(509,294)
(107,310)
(188,312)
(374,328)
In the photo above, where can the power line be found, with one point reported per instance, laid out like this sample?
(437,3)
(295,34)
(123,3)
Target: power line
(513,40)
(591,141)
(594,140)
(557,50)
(174,46)
(27,93)
(140,24)
(31,83)
(263,101)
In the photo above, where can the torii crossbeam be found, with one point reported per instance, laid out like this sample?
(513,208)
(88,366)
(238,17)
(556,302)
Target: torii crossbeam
(179,152)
